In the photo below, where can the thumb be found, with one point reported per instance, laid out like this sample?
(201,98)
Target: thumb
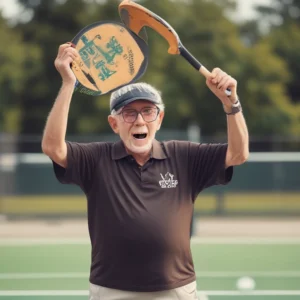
(210,84)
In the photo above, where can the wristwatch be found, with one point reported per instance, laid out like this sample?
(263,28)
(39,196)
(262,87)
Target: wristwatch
(235,108)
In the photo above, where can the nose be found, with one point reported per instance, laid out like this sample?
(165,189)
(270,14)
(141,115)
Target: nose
(139,120)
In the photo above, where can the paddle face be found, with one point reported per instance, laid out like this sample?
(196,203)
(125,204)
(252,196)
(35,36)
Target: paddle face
(135,17)
(110,56)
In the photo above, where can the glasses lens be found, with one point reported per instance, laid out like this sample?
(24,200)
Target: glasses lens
(129,115)
(149,113)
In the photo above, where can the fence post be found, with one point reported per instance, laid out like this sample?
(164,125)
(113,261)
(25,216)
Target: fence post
(220,203)
(194,134)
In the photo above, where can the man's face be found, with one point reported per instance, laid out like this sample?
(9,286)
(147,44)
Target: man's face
(138,135)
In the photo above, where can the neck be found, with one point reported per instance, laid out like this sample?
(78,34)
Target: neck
(141,158)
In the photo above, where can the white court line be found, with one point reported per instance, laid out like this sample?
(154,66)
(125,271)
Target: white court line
(208,293)
(72,275)
(44,241)
(16,276)
(275,274)
(253,293)
(44,293)
(194,240)
(246,241)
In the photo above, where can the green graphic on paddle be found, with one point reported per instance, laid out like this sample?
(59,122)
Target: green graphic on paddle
(92,53)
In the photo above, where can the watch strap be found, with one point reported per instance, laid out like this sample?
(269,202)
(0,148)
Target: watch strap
(235,108)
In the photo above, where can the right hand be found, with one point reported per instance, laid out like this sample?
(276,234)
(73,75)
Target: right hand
(66,55)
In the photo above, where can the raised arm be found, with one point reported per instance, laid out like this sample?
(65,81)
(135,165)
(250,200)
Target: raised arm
(53,142)
(238,139)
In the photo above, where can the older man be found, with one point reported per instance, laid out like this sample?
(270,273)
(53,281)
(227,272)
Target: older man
(140,192)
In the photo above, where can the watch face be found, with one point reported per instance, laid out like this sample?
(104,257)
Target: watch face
(235,109)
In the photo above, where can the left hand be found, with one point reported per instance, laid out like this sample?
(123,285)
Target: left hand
(218,82)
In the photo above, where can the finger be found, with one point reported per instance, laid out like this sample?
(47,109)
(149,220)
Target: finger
(231,84)
(67,46)
(212,75)
(73,50)
(68,55)
(72,45)
(69,60)
(70,51)
(222,81)
(228,84)
(211,85)
(62,64)
(220,77)
(218,74)
(215,72)
(61,48)
(219,92)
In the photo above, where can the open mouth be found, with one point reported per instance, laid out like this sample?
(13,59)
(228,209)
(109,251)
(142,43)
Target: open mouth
(140,136)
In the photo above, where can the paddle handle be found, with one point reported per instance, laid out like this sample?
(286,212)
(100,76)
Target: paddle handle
(197,65)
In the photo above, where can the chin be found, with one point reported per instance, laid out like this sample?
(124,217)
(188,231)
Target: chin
(140,149)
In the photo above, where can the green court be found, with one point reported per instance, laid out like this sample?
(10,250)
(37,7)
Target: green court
(58,269)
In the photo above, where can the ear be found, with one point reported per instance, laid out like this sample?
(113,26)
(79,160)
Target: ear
(113,123)
(160,119)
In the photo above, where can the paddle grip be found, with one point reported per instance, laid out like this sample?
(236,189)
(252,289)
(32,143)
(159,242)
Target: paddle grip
(197,65)
(190,58)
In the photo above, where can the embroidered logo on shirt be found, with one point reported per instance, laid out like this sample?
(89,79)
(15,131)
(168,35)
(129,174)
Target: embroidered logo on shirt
(167,181)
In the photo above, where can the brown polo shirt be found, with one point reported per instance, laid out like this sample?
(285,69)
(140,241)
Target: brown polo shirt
(139,218)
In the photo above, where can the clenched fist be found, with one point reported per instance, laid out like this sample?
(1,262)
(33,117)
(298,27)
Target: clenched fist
(65,56)
(218,82)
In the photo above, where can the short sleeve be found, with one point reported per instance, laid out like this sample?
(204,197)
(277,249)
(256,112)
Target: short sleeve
(81,163)
(207,165)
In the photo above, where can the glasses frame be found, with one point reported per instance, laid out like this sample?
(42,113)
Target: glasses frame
(139,112)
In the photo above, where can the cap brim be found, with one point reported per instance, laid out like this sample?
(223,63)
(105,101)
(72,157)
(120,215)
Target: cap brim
(128,101)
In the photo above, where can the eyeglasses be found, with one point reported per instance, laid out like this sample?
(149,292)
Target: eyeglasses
(149,114)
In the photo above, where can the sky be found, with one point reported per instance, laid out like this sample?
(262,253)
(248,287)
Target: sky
(245,9)
(9,7)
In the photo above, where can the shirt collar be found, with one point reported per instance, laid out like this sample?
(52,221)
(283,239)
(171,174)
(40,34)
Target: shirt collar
(119,150)
(158,151)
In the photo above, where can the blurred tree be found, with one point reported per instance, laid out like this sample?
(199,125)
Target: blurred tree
(203,28)
(55,22)
(216,42)
(18,62)
(284,38)
(280,11)
(250,32)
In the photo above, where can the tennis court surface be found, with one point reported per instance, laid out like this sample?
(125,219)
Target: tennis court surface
(35,268)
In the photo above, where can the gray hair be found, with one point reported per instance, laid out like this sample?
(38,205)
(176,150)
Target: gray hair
(137,86)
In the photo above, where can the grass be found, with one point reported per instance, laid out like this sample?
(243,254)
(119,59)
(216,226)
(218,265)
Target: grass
(233,202)
(44,269)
